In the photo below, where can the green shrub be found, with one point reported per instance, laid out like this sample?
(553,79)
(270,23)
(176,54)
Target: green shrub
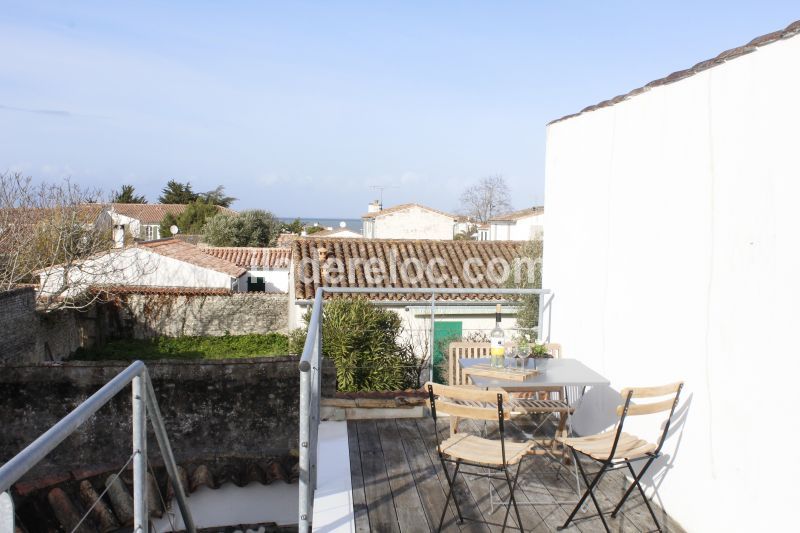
(225,347)
(363,341)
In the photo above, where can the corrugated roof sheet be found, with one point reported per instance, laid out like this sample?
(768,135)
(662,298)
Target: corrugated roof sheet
(457,258)
(790,31)
(250,257)
(192,254)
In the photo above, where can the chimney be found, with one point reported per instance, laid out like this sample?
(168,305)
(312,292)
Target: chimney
(119,235)
(323,254)
(375,207)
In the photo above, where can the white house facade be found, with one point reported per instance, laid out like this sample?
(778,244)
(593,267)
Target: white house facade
(523,225)
(408,221)
(672,251)
(164,263)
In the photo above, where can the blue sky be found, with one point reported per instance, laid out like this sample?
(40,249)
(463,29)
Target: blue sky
(300,107)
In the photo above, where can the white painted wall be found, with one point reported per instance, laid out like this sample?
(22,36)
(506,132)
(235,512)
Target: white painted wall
(523,229)
(276,280)
(229,505)
(412,223)
(133,266)
(132,225)
(672,248)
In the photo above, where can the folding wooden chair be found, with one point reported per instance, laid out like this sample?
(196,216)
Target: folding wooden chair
(615,449)
(472,450)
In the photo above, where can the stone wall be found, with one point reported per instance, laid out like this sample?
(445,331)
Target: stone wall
(17,317)
(144,316)
(30,336)
(247,408)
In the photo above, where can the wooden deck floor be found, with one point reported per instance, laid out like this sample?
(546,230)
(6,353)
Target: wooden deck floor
(398,485)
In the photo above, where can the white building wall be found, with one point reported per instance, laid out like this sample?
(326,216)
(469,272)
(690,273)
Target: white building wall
(412,223)
(134,266)
(132,225)
(672,249)
(523,229)
(275,280)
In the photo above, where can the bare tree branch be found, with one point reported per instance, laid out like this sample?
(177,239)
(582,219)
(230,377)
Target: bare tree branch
(486,199)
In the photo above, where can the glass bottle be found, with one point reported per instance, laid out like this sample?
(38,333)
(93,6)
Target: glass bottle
(497,338)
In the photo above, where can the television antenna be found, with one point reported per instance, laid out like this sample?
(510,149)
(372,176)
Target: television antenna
(381,188)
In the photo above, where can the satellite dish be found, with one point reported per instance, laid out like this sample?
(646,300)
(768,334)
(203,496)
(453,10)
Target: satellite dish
(342,224)
(173,229)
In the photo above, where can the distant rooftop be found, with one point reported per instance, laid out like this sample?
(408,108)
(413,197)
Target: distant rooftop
(403,207)
(247,257)
(189,253)
(517,215)
(155,213)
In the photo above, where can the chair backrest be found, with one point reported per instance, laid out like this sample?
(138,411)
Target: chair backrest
(463,350)
(478,350)
(661,398)
(465,402)
(554,349)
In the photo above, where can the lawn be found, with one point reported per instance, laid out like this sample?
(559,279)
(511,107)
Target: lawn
(227,347)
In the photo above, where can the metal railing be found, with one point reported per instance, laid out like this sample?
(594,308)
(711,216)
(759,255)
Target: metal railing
(311,369)
(144,400)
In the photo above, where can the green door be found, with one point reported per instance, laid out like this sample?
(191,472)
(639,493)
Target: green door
(443,334)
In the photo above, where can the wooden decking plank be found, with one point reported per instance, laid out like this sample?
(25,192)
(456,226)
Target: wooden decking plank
(533,487)
(429,486)
(529,489)
(469,507)
(562,489)
(357,481)
(406,498)
(380,504)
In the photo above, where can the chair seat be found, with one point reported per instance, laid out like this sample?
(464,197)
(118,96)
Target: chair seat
(599,446)
(535,405)
(479,450)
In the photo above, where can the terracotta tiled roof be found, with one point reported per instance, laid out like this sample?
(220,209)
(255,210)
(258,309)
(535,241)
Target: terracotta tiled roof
(516,215)
(183,251)
(790,31)
(252,257)
(155,213)
(403,207)
(61,498)
(285,240)
(171,291)
(459,258)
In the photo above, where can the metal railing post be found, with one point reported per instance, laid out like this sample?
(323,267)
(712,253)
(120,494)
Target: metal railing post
(166,452)
(540,337)
(140,515)
(303,459)
(432,348)
(18,465)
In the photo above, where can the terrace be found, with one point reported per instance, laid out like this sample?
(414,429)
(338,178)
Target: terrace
(381,471)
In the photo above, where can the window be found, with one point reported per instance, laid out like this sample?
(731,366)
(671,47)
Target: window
(152,232)
(256,284)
